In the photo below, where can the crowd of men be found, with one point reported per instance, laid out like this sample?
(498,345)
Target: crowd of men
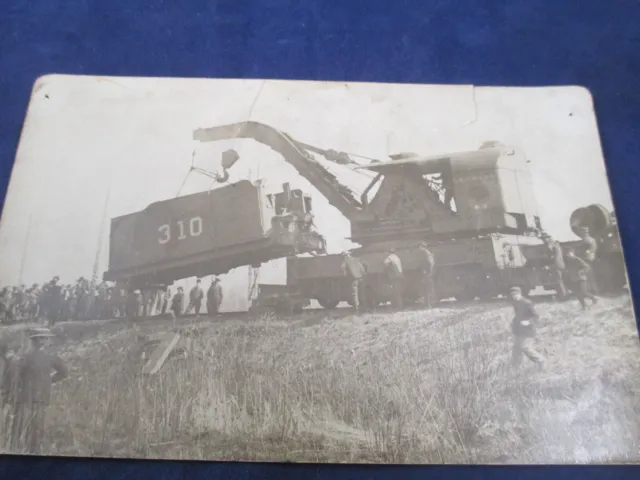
(27,376)
(572,266)
(54,302)
(356,271)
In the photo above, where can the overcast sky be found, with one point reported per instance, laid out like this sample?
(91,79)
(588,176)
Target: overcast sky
(86,136)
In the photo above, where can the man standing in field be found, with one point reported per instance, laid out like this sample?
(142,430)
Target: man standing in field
(195,298)
(579,272)
(355,270)
(32,392)
(426,264)
(395,276)
(177,303)
(558,264)
(214,297)
(523,329)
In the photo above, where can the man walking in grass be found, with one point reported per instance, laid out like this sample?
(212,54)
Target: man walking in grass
(523,329)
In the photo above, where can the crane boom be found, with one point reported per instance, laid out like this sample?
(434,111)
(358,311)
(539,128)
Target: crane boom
(294,153)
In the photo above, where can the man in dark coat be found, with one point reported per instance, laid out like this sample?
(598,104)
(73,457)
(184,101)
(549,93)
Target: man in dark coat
(579,273)
(214,297)
(177,303)
(32,392)
(195,297)
(523,329)
(355,270)
(53,300)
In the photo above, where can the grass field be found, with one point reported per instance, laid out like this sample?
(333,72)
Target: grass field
(407,387)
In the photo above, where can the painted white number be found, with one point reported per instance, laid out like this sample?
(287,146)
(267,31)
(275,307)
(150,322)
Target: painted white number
(195,230)
(182,236)
(165,230)
(195,226)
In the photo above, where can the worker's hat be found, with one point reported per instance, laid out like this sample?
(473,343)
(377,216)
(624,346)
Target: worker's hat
(515,290)
(40,333)
(424,244)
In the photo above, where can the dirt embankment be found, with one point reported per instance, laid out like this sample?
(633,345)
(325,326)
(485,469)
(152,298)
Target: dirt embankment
(410,387)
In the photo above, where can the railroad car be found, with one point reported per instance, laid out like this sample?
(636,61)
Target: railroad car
(210,233)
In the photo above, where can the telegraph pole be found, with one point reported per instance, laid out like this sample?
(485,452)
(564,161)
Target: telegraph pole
(96,264)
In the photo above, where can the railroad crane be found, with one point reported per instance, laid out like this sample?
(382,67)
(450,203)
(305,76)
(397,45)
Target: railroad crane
(476,210)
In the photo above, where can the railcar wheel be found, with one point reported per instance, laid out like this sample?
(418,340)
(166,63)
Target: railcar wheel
(328,304)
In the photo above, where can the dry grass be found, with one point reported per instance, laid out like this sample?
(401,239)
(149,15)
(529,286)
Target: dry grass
(411,387)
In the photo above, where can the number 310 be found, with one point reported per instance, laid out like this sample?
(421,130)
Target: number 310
(195,229)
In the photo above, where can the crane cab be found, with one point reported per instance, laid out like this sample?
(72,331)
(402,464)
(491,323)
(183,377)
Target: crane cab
(488,190)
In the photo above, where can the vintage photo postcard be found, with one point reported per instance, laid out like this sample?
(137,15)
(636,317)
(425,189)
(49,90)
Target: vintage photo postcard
(264,270)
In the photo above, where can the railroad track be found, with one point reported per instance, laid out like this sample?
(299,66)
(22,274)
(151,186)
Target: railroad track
(252,316)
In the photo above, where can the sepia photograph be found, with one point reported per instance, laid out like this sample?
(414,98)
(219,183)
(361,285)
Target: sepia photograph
(306,271)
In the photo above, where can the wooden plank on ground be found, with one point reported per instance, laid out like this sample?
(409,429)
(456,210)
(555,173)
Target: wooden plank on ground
(161,353)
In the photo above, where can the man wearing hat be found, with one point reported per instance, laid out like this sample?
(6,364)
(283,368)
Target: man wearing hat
(395,276)
(426,264)
(33,373)
(214,297)
(177,303)
(52,299)
(195,297)
(355,270)
(579,274)
(523,329)
(558,265)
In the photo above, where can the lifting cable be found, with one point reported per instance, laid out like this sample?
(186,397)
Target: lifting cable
(191,169)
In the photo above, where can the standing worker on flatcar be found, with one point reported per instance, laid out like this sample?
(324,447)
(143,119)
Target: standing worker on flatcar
(395,277)
(355,270)
(427,271)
